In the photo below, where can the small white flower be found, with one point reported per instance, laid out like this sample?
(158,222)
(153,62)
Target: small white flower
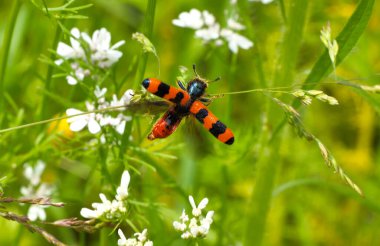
(110,210)
(36,212)
(235,40)
(207,29)
(198,226)
(34,174)
(141,239)
(184,217)
(208,34)
(197,210)
(36,189)
(141,236)
(209,19)
(192,19)
(95,121)
(103,54)
(99,93)
(234,25)
(74,51)
(123,240)
(77,123)
(179,226)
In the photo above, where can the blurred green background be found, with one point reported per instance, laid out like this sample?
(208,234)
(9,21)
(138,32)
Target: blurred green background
(308,203)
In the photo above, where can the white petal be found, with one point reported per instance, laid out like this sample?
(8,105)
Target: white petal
(76,35)
(35,212)
(87,39)
(233,24)
(233,47)
(58,62)
(71,80)
(121,127)
(118,44)
(78,125)
(192,203)
(72,111)
(203,203)
(208,18)
(28,171)
(65,50)
(125,179)
(103,198)
(121,235)
(88,213)
(93,126)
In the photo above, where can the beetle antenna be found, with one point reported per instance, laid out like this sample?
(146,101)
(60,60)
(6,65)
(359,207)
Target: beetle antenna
(195,71)
(216,79)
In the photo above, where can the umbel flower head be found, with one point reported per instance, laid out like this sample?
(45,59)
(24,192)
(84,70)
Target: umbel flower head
(95,121)
(98,48)
(209,30)
(110,210)
(36,189)
(199,225)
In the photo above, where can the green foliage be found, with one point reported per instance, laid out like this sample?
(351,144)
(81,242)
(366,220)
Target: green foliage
(268,188)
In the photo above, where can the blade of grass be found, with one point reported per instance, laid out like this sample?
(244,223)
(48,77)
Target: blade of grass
(346,39)
(269,162)
(8,34)
(148,30)
(45,102)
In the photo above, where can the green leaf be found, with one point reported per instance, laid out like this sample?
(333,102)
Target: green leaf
(347,40)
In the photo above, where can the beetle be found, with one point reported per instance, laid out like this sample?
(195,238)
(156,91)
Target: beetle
(186,101)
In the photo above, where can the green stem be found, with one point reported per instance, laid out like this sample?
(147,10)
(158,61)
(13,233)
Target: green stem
(49,74)
(261,197)
(148,30)
(230,81)
(8,34)
(270,160)
(104,237)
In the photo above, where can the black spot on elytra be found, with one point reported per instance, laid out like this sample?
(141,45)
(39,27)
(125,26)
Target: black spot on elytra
(230,141)
(218,128)
(178,97)
(201,115)
(163,89)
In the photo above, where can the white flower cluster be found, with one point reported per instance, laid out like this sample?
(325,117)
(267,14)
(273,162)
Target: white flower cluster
(198,226)
(94,121)
(209,30)
(36,189)
(110,210)
(140,240)
(96,51)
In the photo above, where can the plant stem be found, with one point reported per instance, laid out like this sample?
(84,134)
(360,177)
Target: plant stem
(44,102)
(148,29)
(230,82)
(270,161)
(8,34)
